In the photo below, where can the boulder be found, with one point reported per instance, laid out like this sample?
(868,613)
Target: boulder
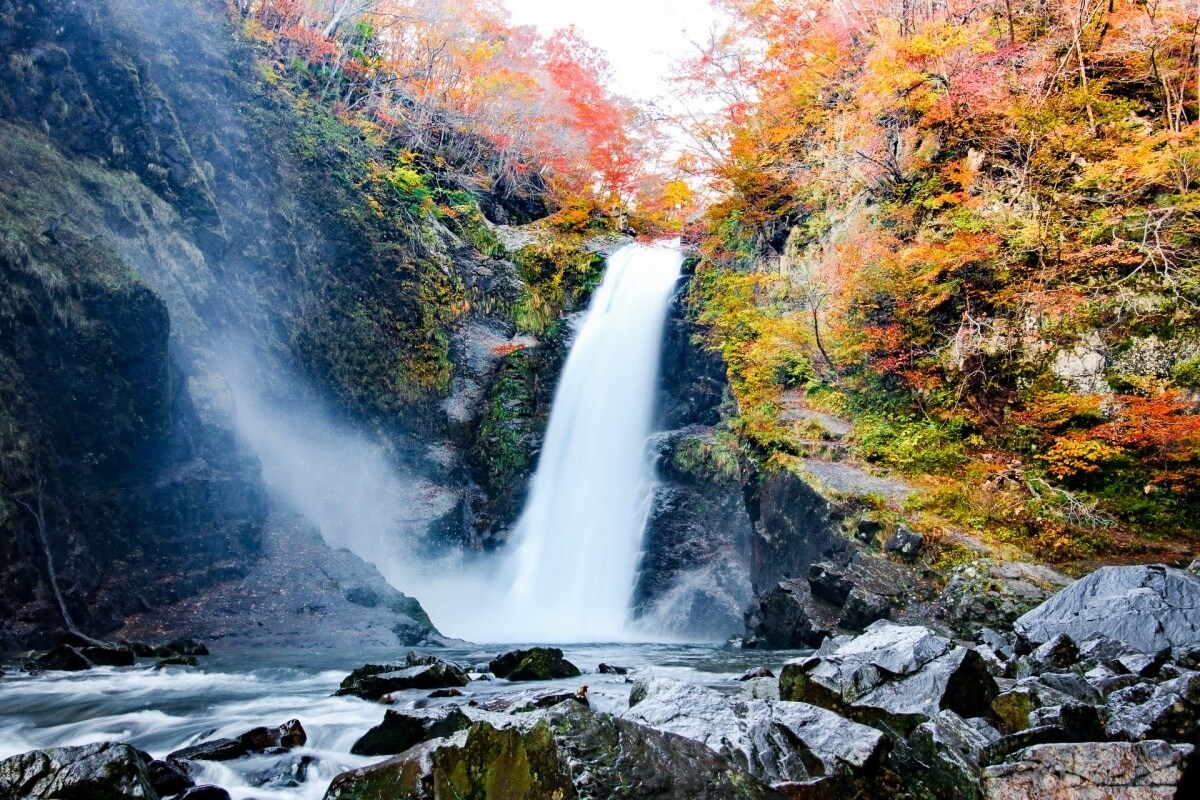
(1147,608)
(567,753)
(167,777)
(105,770)
(287,736)
(897,676)
(535,664)
(904,543)
(774,741)
(757,672)
(613,669)
(1170,711)
(992,594)
(942,758)
(417,671)
(65,658)
(1151,770)
(108,656)
(176,661)
(187,647)
(401,730)
(789,617)
(207,792)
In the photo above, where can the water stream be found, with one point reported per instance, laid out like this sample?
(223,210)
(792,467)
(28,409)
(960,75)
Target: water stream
(569,572)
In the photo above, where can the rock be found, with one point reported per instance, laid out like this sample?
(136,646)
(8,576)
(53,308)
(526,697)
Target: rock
(373,681)
(942,757)
(897,676)
(105,770)
(612,669)
(536,664)
(107,656)
(440,693)
(1170,711)
(65,658)
(524,702)
(401,730)
(757,672)
(141,649)
(177,661)
(904,543)
(1151,770)
(992,594)
(829,583)
(1078,722)
(187,647)
(568,753)
(207,792)
(287,736)
(363,596)
(1012,708)
(788,617)
(1146,608)
(759,689)
(999,644)
(1056,655)
(867,530)
(774,741)
(167,777)
(863,608)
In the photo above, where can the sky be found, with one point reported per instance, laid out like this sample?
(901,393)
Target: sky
(642,38)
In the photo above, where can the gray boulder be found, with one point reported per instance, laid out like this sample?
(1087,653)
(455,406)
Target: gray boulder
(401,730)
(417,671)
(992,594)
(896,676)
(1170,710)
(535,664)
(775,741)
(1151,770)
(942,757)
(1146,608)
(287,736)
(91,772)
(788,617)
(568,752)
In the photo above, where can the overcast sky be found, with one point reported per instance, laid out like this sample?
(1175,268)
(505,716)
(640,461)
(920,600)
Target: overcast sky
(642,38)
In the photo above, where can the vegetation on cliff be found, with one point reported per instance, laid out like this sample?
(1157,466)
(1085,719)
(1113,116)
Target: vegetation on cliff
(973,228)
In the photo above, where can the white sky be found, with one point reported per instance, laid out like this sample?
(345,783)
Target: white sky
(642,38)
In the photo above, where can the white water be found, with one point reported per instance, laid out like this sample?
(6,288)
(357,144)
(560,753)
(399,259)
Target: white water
(569,574)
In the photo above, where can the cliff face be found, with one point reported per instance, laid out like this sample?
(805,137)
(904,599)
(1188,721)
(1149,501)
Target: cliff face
(171,207)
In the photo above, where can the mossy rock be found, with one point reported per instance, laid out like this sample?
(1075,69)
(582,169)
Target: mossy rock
(536,664)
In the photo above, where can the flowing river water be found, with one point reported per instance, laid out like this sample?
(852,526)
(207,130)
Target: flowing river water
(163,710)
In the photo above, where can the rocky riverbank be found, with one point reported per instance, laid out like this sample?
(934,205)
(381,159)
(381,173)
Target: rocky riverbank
(1094,692)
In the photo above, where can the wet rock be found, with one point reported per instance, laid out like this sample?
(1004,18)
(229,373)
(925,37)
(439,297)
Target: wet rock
(1090,771)
(287,736)
(1146,608)
(177,661)
(788,616)
(759,689)
(105,770)
(1078,722)
(942,758)
(829,583)
(167,777)
(417,671)
(897,676)
(187,647)
(281,773)
(1170,710)
(441,693)
(568,753)
(613,669)
(141,649)
(1012,708)
(904,543)
(108,656)
(207,792)
(863,608)
(1058,654)
(999,644)
(65,658)
(757,672)
(775,741)
(992,594)
(524,702)
(401,730)
(535,664)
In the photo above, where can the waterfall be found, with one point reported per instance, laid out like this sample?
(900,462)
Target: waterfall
(570,569)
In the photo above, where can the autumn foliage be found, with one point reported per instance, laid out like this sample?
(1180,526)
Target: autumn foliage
(500,104)
(980,218)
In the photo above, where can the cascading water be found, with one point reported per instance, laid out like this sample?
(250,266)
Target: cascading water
(571,569)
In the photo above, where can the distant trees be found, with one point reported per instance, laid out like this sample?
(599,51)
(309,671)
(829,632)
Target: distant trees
(445,75)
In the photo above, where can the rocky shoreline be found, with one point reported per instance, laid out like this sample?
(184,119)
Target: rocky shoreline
(1094,692)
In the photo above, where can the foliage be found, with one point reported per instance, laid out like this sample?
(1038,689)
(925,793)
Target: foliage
(937,208)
